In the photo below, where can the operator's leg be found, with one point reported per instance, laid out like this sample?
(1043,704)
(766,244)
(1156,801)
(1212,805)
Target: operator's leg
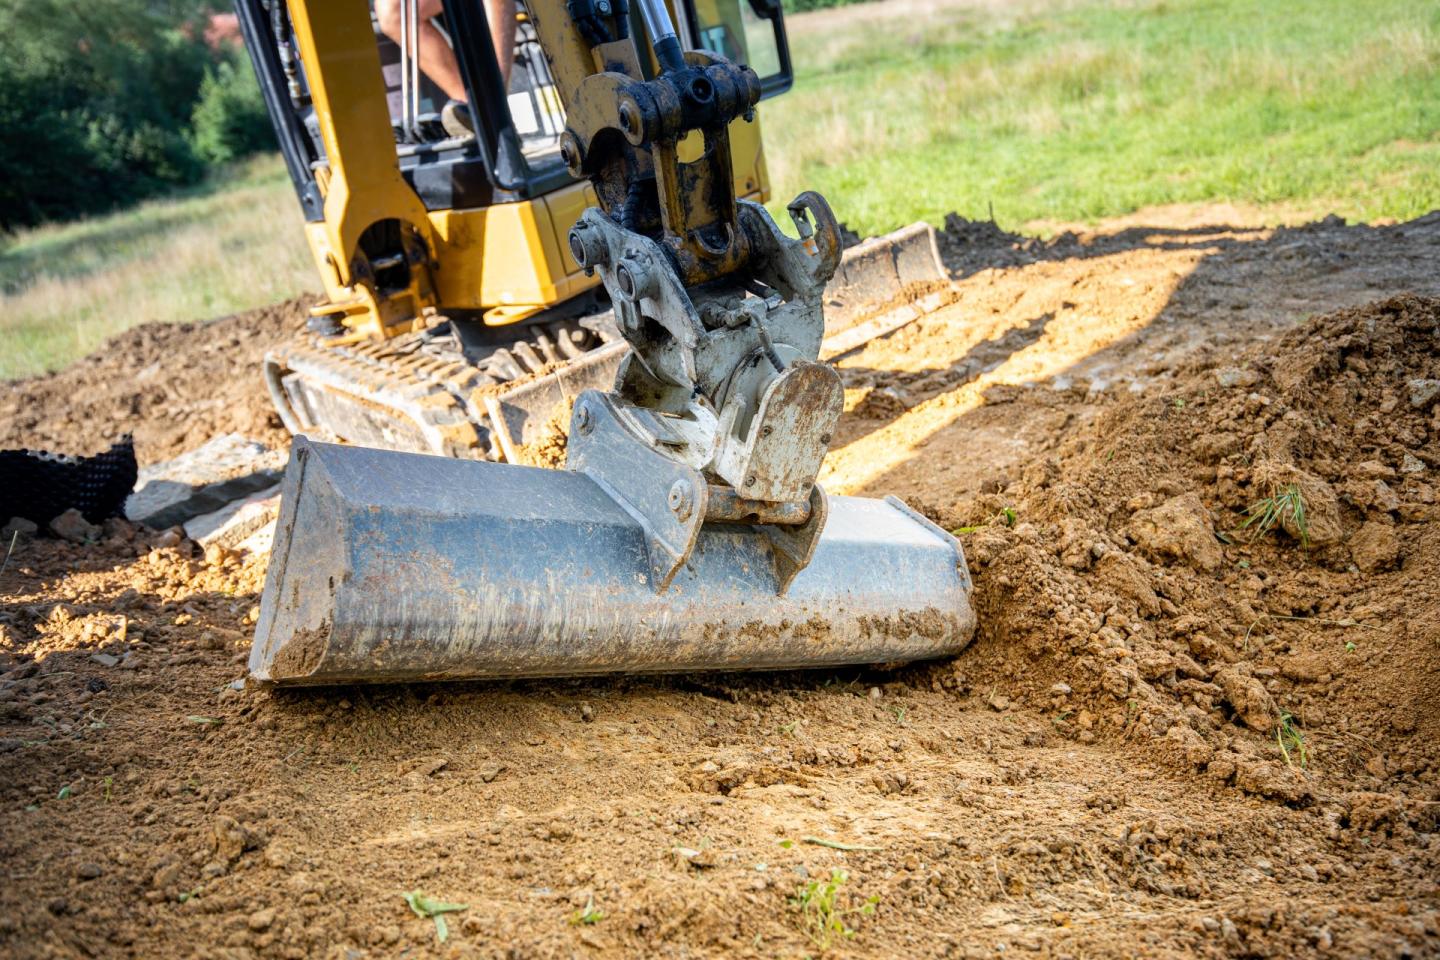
(436,57)
(501,14)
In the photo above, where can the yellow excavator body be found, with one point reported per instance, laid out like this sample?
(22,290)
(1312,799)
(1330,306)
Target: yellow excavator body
(583,235)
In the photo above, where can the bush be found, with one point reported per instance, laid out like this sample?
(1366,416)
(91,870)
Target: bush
(97,100)
(230,120)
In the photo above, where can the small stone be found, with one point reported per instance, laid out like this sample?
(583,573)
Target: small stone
(1061,690)
(166,875)
(1248,697)
(1180,528)
(72,525)
(1375,547)
(18,527)
(1422,392)
(105,659)
(261,919)
(431,767)
(277,855)
(875,693)
(216,554)
(230,838)
(998,702)
(1235,377)
(700,859)
(1373,470)
(58,905)
(1411,464)
(88,871)
(587,712)
(490,771)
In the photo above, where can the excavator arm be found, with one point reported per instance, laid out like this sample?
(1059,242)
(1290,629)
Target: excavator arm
(721,397)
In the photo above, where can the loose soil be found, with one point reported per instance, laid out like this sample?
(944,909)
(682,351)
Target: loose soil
(170,385)
(1173,734)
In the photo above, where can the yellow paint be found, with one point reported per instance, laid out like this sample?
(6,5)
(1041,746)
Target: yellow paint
(509,260)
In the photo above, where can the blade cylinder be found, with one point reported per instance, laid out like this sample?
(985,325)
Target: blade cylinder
(395,566)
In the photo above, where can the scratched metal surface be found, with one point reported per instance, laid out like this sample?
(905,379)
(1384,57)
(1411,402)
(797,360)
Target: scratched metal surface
(397,566)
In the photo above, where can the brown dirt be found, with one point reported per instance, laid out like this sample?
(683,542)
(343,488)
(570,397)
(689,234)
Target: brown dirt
(1098,775)
(172,385)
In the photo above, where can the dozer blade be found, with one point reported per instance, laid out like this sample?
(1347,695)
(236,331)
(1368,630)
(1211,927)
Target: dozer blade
(882,284)
(398,567)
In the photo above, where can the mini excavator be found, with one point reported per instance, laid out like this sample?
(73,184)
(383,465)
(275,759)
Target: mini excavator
(594,235)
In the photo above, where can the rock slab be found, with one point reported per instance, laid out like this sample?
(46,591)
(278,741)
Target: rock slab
(235,522)
(227,468)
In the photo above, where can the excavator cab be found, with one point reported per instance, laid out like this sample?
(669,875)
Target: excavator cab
(382,110)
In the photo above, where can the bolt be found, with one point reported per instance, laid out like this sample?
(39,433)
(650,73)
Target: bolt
(750,480)
(628,121)
(766,430)
(679,499)
(824,438)
(603,6)
(583,421)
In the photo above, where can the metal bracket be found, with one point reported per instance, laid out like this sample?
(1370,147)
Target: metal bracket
(794,546)
(666,497)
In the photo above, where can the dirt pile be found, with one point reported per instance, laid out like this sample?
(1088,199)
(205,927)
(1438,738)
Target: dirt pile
(1252,553)
(158,808)
(173,386)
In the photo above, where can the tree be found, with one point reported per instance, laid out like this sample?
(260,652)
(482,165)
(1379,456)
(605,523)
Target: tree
(96,99)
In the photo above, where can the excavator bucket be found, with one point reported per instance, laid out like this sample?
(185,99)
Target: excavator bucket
(391,566)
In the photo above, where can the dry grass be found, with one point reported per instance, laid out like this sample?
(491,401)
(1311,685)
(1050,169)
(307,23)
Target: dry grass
(64,289)
(1042,111)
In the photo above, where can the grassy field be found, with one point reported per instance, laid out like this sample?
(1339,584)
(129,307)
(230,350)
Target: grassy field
(237,243)
(1074,111)
(1042,110)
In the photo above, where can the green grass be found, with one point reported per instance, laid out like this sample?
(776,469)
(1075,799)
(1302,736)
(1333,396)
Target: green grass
(1285,509)
(1045,111)
(1291,740)
(234,244)
(822,909)
(1075,111)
